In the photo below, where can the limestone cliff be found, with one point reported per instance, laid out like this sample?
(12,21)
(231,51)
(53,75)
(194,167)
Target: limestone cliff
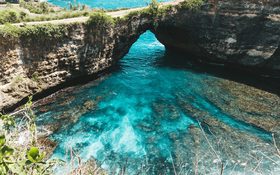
(243,33)
(233,32)
(36,63)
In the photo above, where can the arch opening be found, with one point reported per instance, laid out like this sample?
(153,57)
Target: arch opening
(146,45)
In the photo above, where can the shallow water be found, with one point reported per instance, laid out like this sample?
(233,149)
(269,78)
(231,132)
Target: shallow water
(151,115)
(105,4)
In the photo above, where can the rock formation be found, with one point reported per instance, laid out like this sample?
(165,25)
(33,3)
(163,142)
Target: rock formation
(233,32)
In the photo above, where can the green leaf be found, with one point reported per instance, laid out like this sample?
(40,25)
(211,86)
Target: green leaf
(7,151)
(34,155)
(2,140)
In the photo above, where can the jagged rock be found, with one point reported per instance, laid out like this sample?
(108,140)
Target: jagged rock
(243,33)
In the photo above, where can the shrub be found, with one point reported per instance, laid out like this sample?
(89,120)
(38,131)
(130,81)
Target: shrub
(9,30)
(154,7)
(53,16)
(19,151)
(36,7)
(22,15)
(9,16)
(100,19)
(154,11)
(43,31)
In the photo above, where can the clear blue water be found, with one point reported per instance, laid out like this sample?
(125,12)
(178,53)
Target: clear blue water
(105,4)
(135,116)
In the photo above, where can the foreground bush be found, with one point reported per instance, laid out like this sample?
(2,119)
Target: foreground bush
(20,153)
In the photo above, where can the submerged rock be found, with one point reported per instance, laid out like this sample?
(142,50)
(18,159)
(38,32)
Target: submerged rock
(246,103)
(47,145)
(89,104)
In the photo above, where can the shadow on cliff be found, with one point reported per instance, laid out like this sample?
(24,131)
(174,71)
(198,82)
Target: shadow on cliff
(233,73)
(177,61)
(52,91)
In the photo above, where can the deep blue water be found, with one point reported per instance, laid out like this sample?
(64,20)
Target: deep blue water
(105,4)
(136,116)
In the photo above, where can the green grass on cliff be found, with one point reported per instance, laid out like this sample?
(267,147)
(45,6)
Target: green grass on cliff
(39,11)
(100,19)
(10,16)
(9,30)
(152,10)
(41,31)
(36,7)
(13,16)
(156,11)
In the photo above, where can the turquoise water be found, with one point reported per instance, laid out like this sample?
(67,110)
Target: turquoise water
(105,4)
(137,116)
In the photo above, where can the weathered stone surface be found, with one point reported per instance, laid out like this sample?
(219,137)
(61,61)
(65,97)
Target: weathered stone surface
(30,67)
(245,103)
(234,32)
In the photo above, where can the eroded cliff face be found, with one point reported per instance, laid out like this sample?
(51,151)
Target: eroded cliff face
(243,33)
(32,65)
(233,32)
